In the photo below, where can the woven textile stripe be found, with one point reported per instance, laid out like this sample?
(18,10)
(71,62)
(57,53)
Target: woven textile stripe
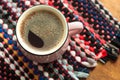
(106,13)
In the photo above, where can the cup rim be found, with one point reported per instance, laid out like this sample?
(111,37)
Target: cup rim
(25,46)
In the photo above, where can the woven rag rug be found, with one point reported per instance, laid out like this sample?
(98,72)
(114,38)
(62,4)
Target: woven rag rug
(99,41)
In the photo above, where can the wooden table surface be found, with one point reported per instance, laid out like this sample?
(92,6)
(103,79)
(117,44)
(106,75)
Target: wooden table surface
(110,70)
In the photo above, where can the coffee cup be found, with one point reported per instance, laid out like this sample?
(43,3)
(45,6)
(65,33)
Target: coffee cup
(43,33)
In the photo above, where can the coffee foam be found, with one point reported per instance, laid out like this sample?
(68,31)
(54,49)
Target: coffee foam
(46,33)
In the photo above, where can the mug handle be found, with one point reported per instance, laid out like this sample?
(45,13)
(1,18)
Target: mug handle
(75,28)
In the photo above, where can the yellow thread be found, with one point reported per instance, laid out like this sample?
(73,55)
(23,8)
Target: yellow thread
(1,35)
(10,46)
(5,40)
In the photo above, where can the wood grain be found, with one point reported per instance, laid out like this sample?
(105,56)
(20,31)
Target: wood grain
(108,71)
(111,70)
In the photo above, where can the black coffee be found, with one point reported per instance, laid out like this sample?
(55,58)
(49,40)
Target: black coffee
(42,29)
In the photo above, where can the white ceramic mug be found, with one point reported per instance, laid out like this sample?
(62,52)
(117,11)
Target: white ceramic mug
(48,55)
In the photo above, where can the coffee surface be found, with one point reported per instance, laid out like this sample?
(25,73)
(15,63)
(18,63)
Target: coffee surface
(42,29)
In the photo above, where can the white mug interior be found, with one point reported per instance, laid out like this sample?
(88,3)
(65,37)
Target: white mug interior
(35,50)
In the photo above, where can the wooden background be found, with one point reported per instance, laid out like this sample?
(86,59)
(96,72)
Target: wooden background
(109,71)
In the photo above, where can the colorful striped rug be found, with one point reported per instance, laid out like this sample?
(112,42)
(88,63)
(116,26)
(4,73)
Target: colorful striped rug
(99,41)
